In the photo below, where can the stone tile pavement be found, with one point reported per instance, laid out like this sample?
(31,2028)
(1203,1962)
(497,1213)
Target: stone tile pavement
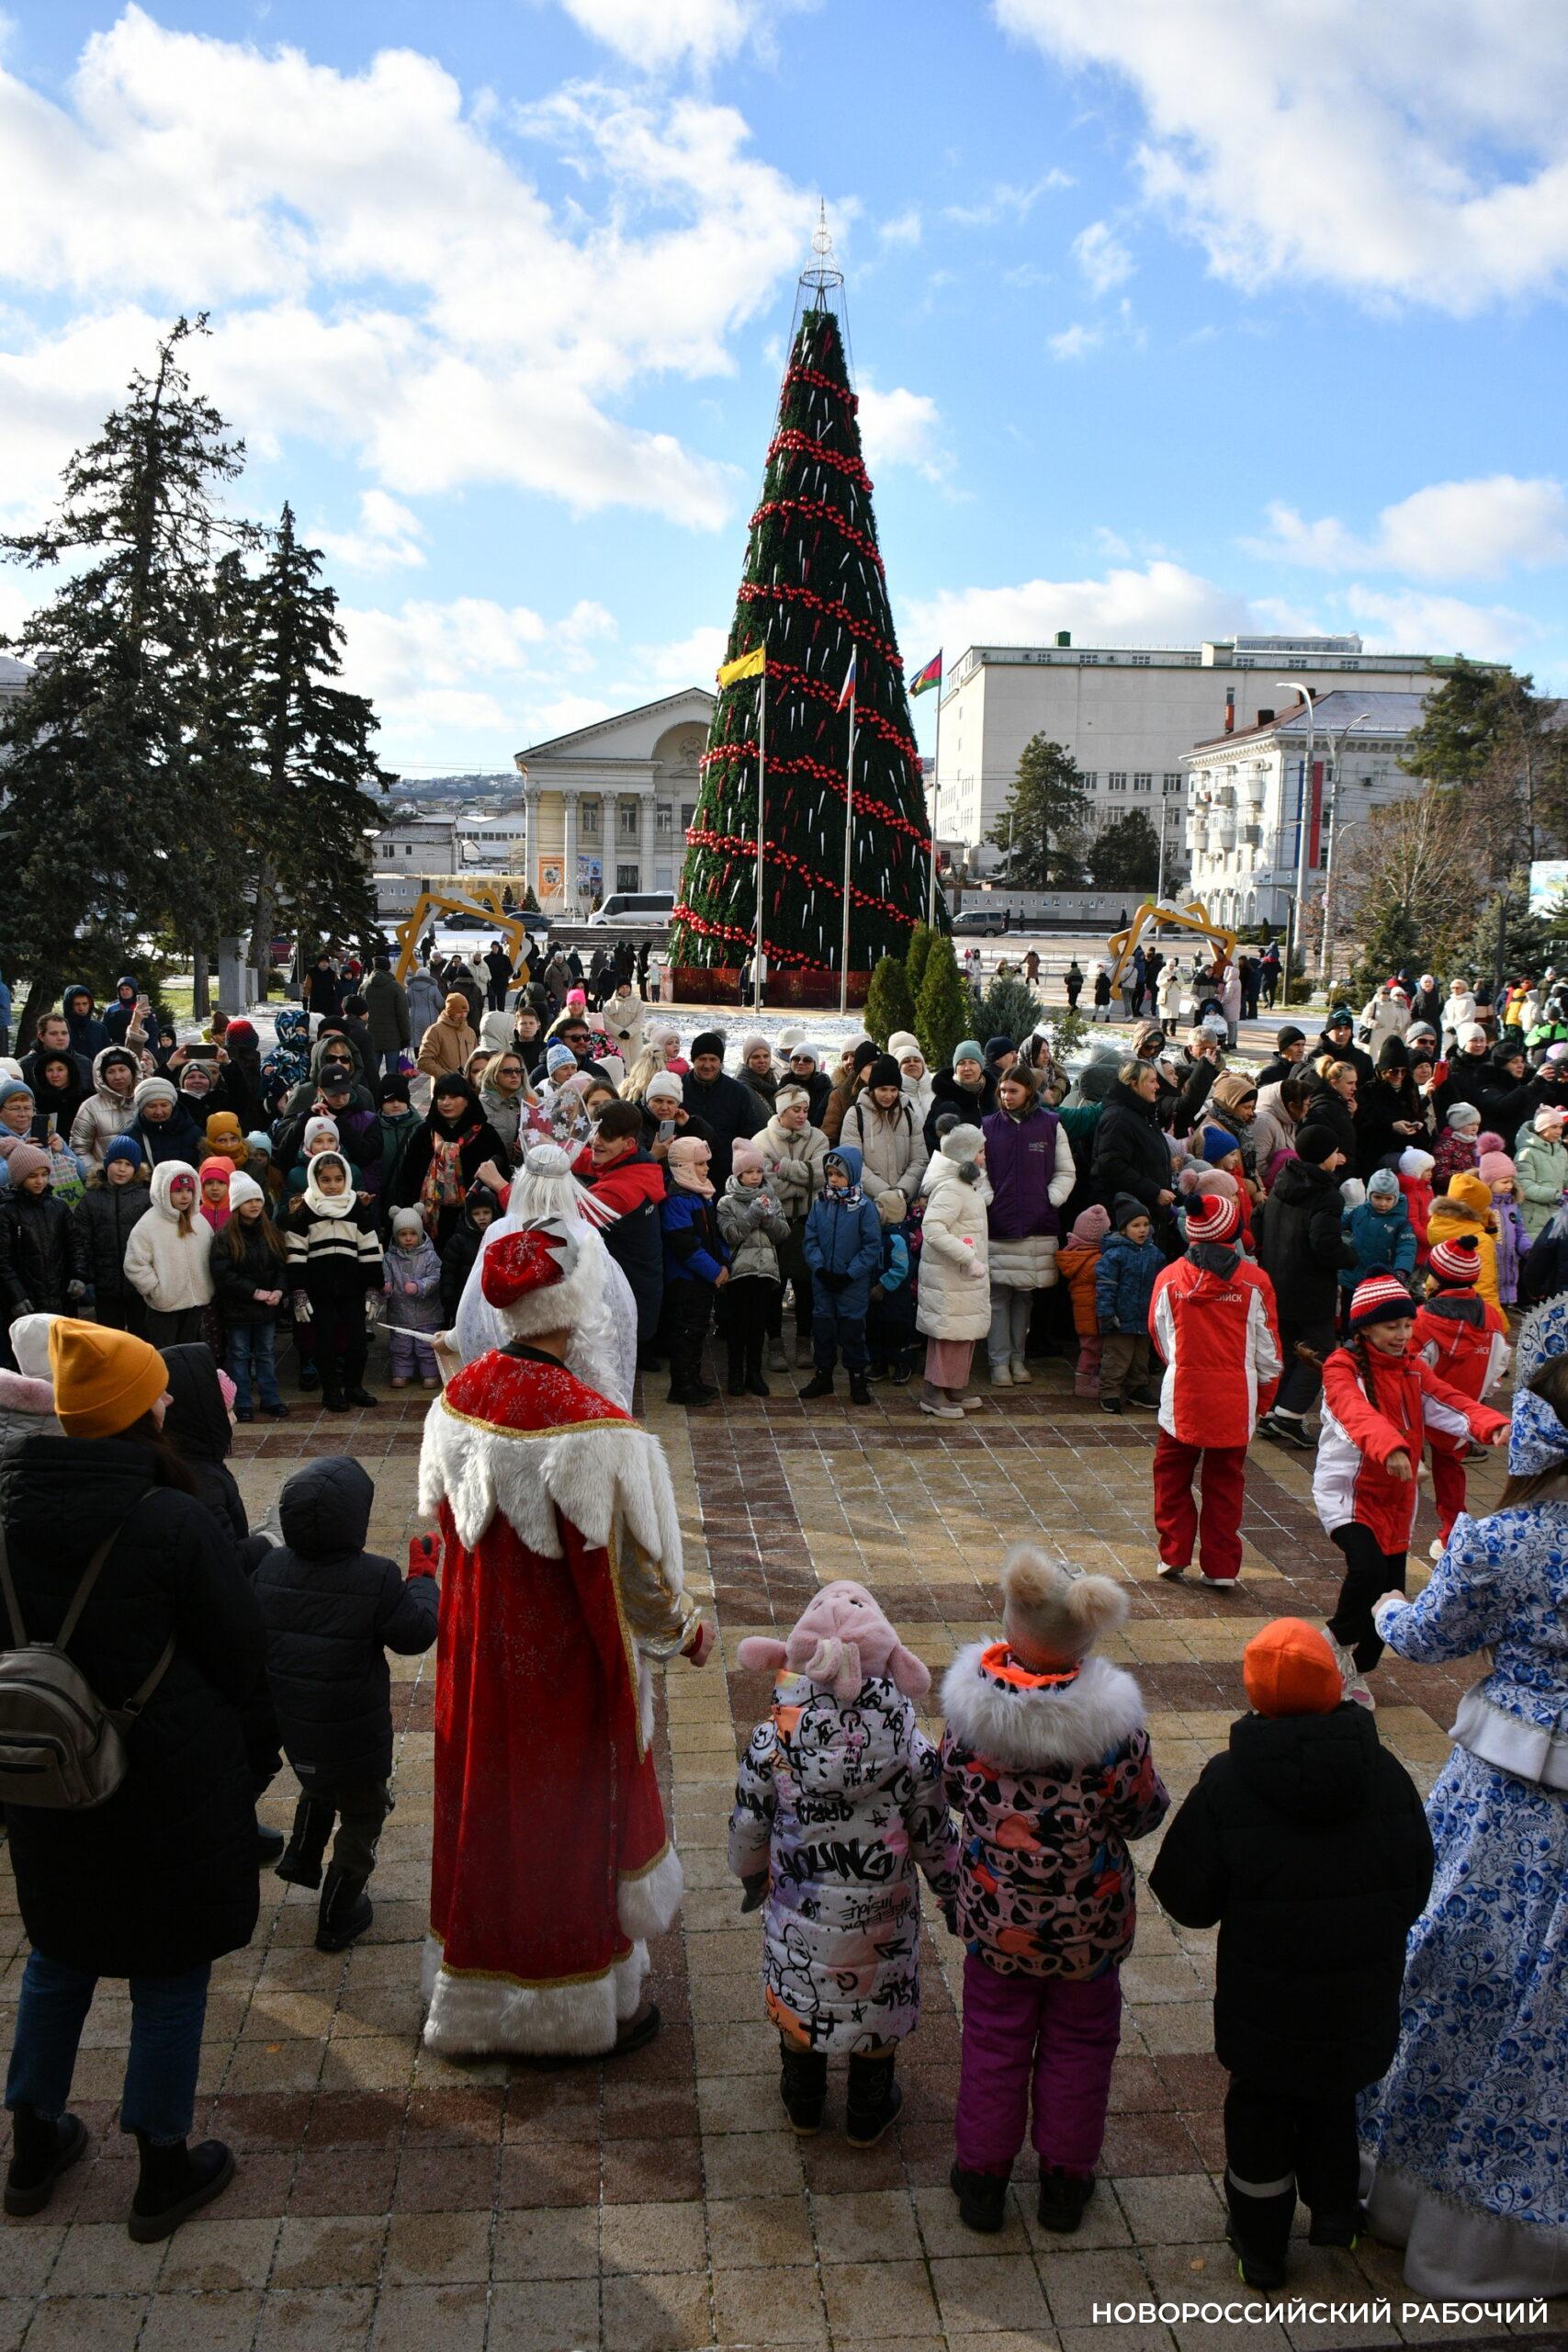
(387,2197)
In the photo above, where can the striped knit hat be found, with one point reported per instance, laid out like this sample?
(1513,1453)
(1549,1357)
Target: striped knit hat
(1456,1262)
(1215,1218)
(1380,1298)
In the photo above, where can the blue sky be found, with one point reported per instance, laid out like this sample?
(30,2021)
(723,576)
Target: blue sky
(1168,319)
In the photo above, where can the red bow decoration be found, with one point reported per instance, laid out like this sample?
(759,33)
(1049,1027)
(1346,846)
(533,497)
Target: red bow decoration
(521,1262)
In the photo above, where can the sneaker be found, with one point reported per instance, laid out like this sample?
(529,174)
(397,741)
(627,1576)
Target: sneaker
(939,1410)
(1338,2229)
(1147,1400)
(822,1385)
(900,1376)
(1350,1674)
(1222,1584)
(1022,1376)
(1111,1404)
(971,1404)
(278,1412)
(1171,1572)
(1287,1429)
(399,1380)
(1000,1376)
(982,2198)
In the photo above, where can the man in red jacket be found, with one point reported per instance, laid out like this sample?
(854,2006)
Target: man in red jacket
(1212,1318)
(629,1184)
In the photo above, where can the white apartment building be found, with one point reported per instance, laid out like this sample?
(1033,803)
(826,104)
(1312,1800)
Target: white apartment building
(415,846)
(1245,800)
(1129,715)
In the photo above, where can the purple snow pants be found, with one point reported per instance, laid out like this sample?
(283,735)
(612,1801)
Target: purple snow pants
(1059,2032)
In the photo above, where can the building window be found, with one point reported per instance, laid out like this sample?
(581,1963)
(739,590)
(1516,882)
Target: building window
(1090,779)
(1118,779)
(627,878)
(1140,661)
(664,819)
(629,829)
(588,815)
(1088,661)
(1143,782)
(688,815)
(1172,783)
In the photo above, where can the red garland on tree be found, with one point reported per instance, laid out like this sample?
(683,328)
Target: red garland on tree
(813,591)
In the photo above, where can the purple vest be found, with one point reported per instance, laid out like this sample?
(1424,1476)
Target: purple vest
(1021,1160)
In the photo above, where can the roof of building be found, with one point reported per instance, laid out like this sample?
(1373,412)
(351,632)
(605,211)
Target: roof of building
(611,719)
(1363,712)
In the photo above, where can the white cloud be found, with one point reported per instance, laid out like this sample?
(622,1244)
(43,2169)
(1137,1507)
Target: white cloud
(901,428)
(904,228)
(381,270)
(688,660)
(1419,152)
(471,677)
(657,34)
(1006,201)
(1075,341)
(1451,530)
(1164,604)
(387,538)
(1102,258)
(1426,624)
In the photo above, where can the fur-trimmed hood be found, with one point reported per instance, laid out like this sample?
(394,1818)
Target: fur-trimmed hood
(1028,1730)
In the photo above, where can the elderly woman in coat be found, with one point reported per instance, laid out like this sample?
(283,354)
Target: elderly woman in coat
(1029,1163)
(905,1048)
(956,1286)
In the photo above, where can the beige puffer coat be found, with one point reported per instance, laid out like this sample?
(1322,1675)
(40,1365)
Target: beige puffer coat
(446,1044)
(955,1301)
(104,1115)
(891,1144)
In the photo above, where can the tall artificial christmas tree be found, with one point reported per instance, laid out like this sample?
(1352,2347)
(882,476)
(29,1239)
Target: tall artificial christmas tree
(814,598)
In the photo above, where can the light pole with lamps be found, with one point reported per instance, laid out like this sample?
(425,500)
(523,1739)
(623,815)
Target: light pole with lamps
(1336,755)
(1293,929)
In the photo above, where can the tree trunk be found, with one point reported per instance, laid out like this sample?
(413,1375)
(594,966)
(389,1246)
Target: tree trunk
(202,1001)
(42,993)
(263,924)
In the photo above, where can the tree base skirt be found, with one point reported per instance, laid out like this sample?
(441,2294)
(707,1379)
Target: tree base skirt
(721,984)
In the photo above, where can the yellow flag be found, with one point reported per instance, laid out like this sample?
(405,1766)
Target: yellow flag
(748,666)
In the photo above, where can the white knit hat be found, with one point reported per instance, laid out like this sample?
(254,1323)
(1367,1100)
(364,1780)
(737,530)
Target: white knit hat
(962,1143)
(665,1086)
(1468,1032)
(901,1044)
(243,1188)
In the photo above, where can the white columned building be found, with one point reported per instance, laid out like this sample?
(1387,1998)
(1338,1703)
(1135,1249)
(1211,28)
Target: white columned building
(607,806)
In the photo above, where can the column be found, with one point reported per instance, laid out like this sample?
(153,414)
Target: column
(646,839)
(531,841)
(569,804)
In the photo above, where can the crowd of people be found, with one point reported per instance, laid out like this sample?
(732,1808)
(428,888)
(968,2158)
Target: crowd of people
(533,1199)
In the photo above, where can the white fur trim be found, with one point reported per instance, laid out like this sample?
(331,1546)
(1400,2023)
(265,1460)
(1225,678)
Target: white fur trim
(600,1476)
(1024,1729)
(473,2015)
(648,1905)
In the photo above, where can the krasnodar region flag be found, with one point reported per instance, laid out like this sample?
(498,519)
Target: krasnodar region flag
(930,676)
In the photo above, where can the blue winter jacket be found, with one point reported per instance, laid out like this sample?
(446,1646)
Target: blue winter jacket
(1124,1283)
(693,1247)
(848,1241)
(1379,1238)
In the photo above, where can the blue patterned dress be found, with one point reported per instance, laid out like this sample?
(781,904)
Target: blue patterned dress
(1466,2128)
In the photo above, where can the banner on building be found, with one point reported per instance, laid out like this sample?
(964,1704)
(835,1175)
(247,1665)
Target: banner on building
(1549,885)
(590,874)
(551,883)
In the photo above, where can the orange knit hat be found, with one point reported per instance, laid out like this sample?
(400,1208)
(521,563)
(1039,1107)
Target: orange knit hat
(104,1380)
(1289,1670)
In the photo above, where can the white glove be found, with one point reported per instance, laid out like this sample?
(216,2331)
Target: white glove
(301,1304)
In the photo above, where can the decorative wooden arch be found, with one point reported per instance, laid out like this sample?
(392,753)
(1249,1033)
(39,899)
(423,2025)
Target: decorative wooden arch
(1154,914)
(478,898)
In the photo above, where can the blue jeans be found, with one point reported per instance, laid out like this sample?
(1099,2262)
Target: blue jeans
(167,2014)
(388,1065)
(253,1347)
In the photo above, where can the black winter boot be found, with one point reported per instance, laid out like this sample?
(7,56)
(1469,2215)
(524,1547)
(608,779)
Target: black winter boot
(1259,2232)
(803,2087)
(982,2198)
(1337,2228)
(859,1391)
(175,2183)
(269,1842)
(301,1864)
(1063,2196)
(874,2099)
(346,1911)
(819,1385)
(40,2151)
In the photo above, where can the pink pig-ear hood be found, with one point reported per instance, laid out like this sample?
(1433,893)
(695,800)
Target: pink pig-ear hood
(842,1638)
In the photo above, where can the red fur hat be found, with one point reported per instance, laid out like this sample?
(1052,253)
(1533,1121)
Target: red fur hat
(518,1264)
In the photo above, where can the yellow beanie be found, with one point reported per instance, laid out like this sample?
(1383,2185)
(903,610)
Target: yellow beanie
(104,1380)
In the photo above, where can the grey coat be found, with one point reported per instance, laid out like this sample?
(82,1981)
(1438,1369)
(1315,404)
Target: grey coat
(755,1228)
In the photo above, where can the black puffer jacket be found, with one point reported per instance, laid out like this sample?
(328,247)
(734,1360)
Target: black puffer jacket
(103,1216)
(163,1875)
(1306,1842)
(41,1253)
(1301,1246)
(948,1096)
(1326,1109)
(1131,1154)
(236,1280)
(332,1610)
(196,1425)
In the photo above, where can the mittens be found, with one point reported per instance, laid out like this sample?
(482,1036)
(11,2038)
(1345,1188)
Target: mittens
(301,1304)
(756,1886)
(424,1555)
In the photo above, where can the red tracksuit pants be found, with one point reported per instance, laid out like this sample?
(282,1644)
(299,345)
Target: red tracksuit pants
(1215,1533)
(1448,1488)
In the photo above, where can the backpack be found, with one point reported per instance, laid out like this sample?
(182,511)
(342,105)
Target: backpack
(61,1749)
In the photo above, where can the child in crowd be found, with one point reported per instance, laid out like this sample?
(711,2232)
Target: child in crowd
(226,1139)
(259,1165)
(1078,1262)
(1500,1176)
(1414,1173)
(334,1261)
(1130,1265)
(1465,1211)
(1214,1321)
(332,1610)
(1046,1762)
(396,1126)
(696,1266)
(412,1285)
(1381,1234)
(1306,1843)
(756,1230)
(842,1245)
(481,1208)
(1457,1148)
(1542,1167)
(841,1931)
(1465,1341)
(954,1309)
(250,1278)
(116,1198)
(890,1313)
(215,1174)
(794,1152)
(43,1259)
(1379,1401)
(319,1134)
(168,1258)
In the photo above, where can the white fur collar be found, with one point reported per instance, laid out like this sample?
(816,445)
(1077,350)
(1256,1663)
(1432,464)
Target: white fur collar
(600,1476)
(1027,1729)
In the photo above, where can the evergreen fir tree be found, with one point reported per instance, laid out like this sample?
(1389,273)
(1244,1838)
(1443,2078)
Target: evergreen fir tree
(1125,855)
(915,961)
(888,1003)
(944,1011)
(1046,807)
(103,811)
(813,592)
(1009,1008)
(307,824)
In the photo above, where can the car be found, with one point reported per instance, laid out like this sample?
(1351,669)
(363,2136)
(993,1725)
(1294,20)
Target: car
(982,923)
(635,910)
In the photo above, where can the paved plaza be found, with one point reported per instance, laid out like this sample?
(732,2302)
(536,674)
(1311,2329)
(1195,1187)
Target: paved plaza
(389,2199)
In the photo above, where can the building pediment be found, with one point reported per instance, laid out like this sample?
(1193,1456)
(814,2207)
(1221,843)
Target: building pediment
(632,737)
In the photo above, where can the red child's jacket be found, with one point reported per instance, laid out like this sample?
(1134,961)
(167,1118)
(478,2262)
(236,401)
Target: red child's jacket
(1465,1341)
(1219,1334)
(1419,1205)
(1078,1263)
(1358,1434)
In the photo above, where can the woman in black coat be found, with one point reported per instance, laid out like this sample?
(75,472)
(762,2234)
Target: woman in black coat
(1333,1105)
(197,1425)
(453,1144)
(1390,1115)
(160,1880)
(1131,1154)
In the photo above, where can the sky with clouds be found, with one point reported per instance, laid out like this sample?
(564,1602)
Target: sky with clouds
(1170,318)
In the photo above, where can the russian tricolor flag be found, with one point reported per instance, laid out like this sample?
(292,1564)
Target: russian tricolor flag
(847,690)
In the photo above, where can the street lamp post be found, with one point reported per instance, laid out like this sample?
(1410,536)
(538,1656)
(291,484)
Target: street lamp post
(1336,755)
(1293,931)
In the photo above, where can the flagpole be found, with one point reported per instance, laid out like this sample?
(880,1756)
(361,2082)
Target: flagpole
(848,849)
(936,803)
(761,808)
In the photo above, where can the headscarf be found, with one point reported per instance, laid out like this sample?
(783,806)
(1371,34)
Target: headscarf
(324,1203)
(685,1170)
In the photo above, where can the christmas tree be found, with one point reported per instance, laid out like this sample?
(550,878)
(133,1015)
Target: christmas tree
(814,596)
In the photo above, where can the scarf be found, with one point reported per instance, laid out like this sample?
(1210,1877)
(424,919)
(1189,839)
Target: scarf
(691,1180)
(443,1187)
(325,1205)
(849,1198)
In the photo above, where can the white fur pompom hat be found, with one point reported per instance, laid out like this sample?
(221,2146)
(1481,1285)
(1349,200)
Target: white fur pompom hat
(1051,1613)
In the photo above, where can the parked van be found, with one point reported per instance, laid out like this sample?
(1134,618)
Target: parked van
(636,910)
